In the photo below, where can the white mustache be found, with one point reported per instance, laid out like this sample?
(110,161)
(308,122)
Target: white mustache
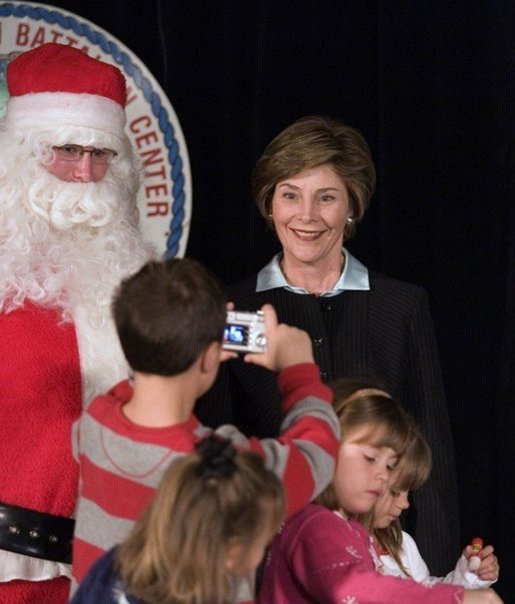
(65,204)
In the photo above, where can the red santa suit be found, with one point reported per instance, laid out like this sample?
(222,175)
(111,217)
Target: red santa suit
(61,256)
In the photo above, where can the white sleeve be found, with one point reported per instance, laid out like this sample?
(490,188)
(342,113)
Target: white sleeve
(413,561)
(462,576)
(417,568)
(410,558)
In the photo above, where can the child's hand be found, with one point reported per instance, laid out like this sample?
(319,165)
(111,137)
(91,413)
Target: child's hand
(489,567)
(286,345)
(226,355)
(481,596)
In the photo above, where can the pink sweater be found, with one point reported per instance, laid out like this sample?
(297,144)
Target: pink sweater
(320,557)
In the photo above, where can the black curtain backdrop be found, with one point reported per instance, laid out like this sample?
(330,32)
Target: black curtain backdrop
(431,85)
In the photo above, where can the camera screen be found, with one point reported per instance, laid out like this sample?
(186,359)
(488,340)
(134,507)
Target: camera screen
(236,334)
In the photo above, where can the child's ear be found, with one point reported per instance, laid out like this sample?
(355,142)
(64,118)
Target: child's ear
(210,358)
(233,555)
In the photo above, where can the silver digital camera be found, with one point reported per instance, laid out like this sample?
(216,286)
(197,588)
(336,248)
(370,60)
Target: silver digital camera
(245,331)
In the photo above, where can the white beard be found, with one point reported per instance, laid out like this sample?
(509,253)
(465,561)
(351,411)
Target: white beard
(65,204)
(68,245)
(101,358)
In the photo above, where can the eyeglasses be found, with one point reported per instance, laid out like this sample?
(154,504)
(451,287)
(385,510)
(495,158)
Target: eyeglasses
(76,152)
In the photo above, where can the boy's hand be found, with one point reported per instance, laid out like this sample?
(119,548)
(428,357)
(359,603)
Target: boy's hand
(226,355)
(286,345)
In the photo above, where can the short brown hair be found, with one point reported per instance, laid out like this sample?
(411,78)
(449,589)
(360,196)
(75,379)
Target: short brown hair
(309,142)
(167,313)
(177,552)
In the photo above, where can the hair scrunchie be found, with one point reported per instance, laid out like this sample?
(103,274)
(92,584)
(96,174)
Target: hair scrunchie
(217,457)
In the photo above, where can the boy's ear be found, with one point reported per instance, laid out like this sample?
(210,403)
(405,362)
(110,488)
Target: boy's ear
(210,358)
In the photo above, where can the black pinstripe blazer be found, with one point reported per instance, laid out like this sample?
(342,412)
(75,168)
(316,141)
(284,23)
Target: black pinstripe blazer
(385,333)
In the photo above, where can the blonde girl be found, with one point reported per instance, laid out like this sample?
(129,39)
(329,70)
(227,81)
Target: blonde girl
(323,554)
(202,537)
(398,551)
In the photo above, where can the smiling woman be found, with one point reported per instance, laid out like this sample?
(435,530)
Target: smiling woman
(309,213)
(313,184)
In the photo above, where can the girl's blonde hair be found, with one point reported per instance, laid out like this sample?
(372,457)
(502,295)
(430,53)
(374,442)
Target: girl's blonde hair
(206,501)
(413,471)
(360,403)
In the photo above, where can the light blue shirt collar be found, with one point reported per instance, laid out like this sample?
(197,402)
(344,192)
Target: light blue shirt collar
(354,276)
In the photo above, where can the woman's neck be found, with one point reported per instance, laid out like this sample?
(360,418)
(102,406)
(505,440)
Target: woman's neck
(315,279)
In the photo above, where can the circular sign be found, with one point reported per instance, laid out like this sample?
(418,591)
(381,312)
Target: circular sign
(164,200)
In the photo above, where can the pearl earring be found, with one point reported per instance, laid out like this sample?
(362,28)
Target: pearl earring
(350,220)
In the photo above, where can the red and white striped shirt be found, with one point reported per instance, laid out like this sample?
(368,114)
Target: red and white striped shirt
(121,463)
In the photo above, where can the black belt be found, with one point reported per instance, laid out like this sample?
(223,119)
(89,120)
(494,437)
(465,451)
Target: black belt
(36,534)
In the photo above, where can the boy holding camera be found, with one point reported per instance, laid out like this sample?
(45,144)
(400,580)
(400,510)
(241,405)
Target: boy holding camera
(170,318)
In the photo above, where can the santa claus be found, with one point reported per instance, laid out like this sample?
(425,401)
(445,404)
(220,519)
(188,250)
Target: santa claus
(68,235)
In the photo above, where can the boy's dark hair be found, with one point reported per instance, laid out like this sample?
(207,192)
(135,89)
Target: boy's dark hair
(167,313)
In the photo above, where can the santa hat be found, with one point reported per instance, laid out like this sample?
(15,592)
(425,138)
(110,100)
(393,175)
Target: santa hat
(54,86)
